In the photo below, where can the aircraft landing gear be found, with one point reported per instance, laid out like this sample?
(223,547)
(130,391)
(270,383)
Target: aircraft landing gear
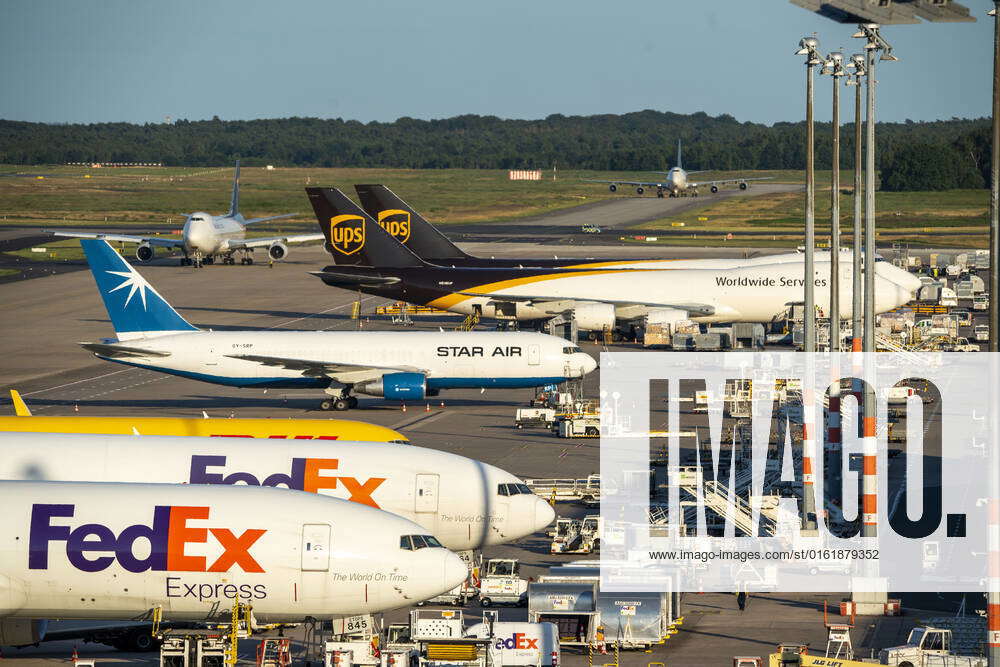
(198,261)
(247,258)
(339,400)
(659,193)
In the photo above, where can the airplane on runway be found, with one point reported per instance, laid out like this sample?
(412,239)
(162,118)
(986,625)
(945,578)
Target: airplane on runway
(464,503)
(677,184)
(231,427)
(401,366)
(427,242)
(91,550)
(595,298)
(205,236)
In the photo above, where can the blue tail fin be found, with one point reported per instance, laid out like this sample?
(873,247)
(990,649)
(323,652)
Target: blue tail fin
(135,308)
(234,200)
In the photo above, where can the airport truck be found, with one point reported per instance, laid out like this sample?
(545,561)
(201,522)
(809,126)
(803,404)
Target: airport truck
(501,583)
(579,426)
(982,332)
(534,418)
(927,647)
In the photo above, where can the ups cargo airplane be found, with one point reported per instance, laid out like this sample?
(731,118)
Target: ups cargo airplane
(232,427)
(464,503)
(86,550)
(677,183)
(596,297)
(205,237)
(408,365)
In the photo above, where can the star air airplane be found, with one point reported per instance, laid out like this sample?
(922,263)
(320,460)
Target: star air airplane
(91,550)
(205,236)
(401,366)
(231,427)
(464,503)
(677,184)
(596,297)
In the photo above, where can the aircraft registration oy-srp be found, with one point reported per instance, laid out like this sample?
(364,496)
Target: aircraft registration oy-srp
(150,334)
(91,550)
(232,427)
(597,295)
(205,237)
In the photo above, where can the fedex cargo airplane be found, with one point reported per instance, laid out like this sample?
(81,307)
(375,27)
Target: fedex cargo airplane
(108,551)
(410,365)
(205,236)
(232,427)
(464,503)
(596,297)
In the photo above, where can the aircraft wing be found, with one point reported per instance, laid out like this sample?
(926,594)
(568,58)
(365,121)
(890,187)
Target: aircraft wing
(266,241)
(561,304)
(337,371)
(270,217)
(125,238)
(121,351)
(351,279)
(645,184)
(728,180)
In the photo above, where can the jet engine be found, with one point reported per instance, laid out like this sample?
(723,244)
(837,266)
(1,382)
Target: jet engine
(22,631)
(396,386)
(277,250)
(665,316)
(594,316)
(144,252)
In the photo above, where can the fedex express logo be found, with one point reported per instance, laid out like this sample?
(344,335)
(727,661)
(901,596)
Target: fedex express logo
(93,547)
(518,641)
(304,475)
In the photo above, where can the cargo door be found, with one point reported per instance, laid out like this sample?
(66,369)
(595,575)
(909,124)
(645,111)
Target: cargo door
(315,547)
(426,495)
(534,355)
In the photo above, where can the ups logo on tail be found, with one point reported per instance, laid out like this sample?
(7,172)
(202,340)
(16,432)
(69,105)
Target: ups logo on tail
(347,233)
(396,222)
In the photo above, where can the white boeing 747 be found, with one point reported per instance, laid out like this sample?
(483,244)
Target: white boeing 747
(405,365)
(677,184)
(205,236)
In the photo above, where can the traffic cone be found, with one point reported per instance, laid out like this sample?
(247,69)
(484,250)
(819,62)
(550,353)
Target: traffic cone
(76,407)
(442,405)
(76,656)
(427,408)
(404,407)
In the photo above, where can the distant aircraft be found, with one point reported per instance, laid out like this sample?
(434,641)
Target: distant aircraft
(410,365)
(91,550)
(216,427)
(205,236)
(677,183)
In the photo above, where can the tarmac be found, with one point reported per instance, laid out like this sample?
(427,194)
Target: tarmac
(46,317)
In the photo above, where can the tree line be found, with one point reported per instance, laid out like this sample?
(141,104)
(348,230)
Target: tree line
(640,141)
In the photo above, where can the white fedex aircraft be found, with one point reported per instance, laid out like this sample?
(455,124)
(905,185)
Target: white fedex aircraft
(91,550)
(396,365)
(677,183)
(205,236)
(464,503)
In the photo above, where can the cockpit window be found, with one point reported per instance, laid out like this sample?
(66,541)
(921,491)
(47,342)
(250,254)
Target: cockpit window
(572,349)
(513,489)
(415,542)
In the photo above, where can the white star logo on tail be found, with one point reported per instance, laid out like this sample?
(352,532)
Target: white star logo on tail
(136,283)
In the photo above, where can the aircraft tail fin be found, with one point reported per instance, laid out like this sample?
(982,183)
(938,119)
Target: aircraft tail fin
(409,227)
(679,166)
(354,238)
(136,309)
(20,409)
(234,200)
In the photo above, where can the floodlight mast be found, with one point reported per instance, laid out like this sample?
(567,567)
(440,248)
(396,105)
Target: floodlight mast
(834,66)
(857,64)
(993,527)
(809,47)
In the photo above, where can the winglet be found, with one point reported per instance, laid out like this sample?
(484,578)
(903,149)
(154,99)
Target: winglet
(20,409)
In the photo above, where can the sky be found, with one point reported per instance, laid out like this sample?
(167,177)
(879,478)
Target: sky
(141,61)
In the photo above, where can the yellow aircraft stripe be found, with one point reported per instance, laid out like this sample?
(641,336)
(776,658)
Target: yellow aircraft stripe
(450,300)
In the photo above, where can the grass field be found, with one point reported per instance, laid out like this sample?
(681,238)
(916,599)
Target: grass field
(902,216)
(137,197)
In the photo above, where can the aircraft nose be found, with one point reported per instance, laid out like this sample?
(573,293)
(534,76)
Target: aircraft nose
(455,572)
(587,364)
(544,514)
(911,283)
